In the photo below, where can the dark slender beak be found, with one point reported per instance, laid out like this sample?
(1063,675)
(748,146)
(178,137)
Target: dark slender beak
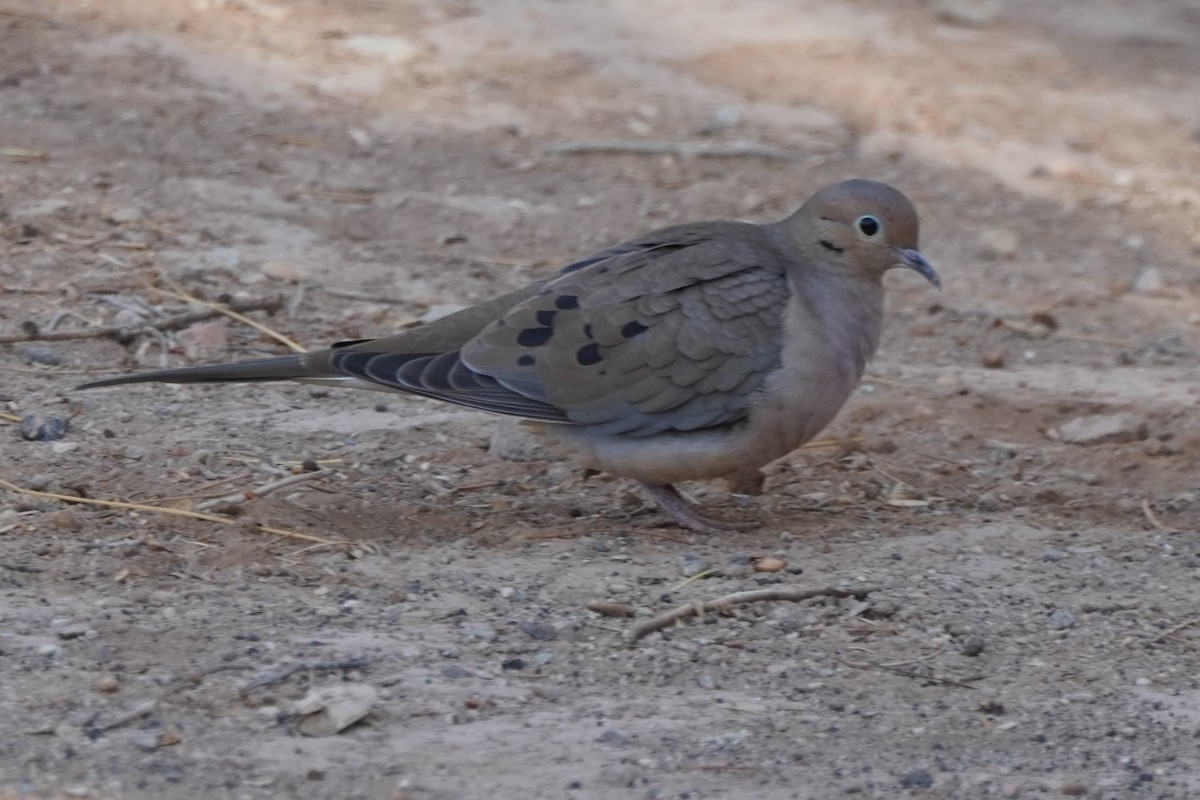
(917,263)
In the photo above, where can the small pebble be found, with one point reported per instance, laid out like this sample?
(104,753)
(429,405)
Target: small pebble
(144,741)
(1061,619)
(539,631)
(107,684)
(691,564)
(973,646)
(993,359)
(1052,554)
(41,354)
(614,738)
(916,779)
(769,564)
(34,429)
(514,664)
(478,632)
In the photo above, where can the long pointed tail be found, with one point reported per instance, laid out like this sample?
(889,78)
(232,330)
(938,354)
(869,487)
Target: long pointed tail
(267,369)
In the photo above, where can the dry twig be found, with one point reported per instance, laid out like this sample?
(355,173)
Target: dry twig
(1153,519)
(306,666)
(740,149)
(172,323)
(907,673)
(177,512)
(261,491)
(180,294)
(723,605)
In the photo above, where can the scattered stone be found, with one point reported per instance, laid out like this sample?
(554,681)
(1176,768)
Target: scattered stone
(540,631)
(1073,789)
(999,244)
(769,564)
(41,354)
(612,737)
(998,452)
(1053,554)
(205,340)
(993,359)
(41,481)
(73,631)
(989,503)
(1150,281)
(727,741)
(33,428)
(390,49)
(124,215)
(1104,429)
(107,684)
(722,119)
(64,519)
(144,740)
(332,709)
(1061,619)
(477,632)
(610,609)
(514,664)
(916,779)
(288,271)
(973,646)
(691,564)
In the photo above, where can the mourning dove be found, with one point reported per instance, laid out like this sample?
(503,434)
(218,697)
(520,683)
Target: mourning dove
(696,351)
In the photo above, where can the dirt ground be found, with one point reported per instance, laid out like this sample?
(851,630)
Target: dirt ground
(1035,626)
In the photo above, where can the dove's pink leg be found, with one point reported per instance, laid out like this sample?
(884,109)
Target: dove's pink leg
(679,510)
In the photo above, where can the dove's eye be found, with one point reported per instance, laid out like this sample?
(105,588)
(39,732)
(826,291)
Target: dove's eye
(868,225)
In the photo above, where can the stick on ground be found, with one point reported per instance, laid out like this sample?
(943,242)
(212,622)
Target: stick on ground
(172,323)
(722,605)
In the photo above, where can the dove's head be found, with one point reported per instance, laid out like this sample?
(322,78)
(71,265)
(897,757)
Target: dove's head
(860,226)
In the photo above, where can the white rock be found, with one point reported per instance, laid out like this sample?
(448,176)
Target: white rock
(999,244)
(1103,429)
(332,709)
(1149,282)
(392,49)
(282,270)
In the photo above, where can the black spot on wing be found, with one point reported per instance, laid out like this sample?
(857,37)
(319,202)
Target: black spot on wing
(546,317)
(632,329)
(534,337)
(566,302)
(526,361)
(587,330)
(588,355)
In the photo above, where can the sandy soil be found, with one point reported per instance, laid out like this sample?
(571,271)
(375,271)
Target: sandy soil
(371,163)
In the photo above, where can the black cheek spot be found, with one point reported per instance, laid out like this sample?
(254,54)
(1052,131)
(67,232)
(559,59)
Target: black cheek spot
(831,246)
(632,329)
(545,317)
(526,361)
(588,355)
(566,302)
(534,337)
(587,331)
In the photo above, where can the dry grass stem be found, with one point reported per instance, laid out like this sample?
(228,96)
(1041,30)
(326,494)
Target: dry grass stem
(175,512)
(723,605)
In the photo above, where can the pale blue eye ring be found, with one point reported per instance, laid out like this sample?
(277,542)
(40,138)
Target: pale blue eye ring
(868,225)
